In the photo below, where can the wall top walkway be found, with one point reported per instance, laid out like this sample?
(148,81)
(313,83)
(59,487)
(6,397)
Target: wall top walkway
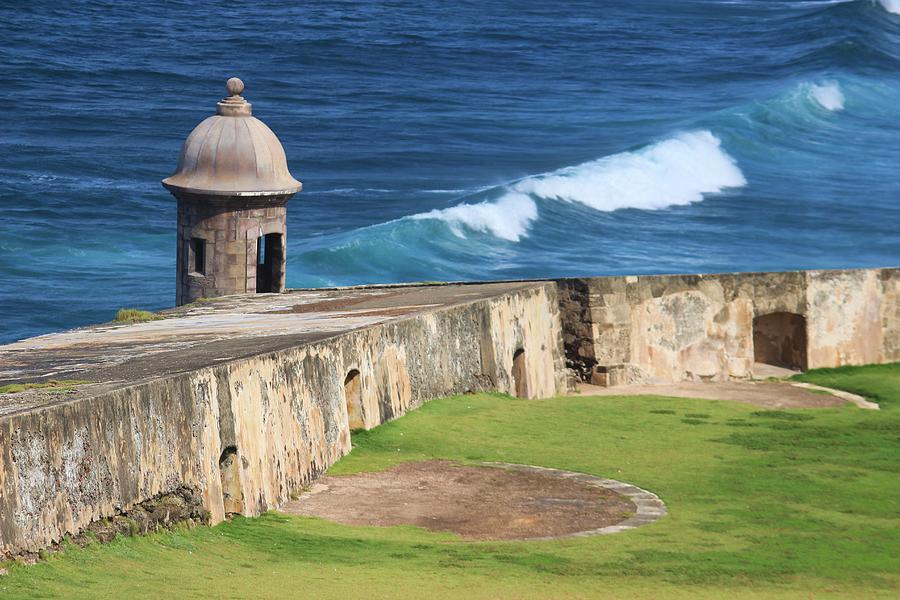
(115,355)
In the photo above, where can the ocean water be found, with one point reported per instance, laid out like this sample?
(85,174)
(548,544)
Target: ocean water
(452,141)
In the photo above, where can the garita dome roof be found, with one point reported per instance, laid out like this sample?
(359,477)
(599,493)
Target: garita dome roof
(232,153)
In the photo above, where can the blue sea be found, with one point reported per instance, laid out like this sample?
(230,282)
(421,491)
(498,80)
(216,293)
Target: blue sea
(466,140)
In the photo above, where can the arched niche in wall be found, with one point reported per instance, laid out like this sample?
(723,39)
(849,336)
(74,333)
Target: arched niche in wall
(519,373)
(229,471)
(353,398)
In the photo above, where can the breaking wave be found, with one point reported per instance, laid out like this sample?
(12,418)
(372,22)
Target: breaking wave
(673,172)
(507,218)
(676,171)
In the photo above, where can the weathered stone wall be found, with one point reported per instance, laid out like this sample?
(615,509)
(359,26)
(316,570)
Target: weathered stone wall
(578,331)
(844,318)
(666,328)
(662,328)
(890,313)
(64,466)
(246,433)
(274,421)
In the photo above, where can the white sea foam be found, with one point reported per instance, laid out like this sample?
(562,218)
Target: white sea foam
(676,171)
(507,218)
(828,95)
(892,6)
(672,172)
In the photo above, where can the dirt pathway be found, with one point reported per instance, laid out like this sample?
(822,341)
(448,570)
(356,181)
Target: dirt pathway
(767,394)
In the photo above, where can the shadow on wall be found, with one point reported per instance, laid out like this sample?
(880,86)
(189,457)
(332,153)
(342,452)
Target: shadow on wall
(780,339)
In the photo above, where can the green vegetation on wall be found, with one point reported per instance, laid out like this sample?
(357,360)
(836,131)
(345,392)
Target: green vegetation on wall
(134,315)
(65,384)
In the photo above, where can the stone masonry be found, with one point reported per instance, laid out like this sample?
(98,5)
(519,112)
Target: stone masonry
(231,233)
(670,328)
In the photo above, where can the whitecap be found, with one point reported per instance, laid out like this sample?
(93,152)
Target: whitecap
(828,95)
(675,171)
(892,6)
(507,218)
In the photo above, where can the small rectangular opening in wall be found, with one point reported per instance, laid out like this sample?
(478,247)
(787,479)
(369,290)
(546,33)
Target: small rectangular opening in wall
(198,250)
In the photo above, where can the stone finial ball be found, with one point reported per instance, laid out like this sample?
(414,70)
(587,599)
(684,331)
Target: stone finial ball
(234,86)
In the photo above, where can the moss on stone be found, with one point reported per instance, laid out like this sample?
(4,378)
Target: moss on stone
(134,315)
(67,384)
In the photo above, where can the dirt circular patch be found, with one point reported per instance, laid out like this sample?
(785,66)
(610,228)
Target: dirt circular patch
(483,502)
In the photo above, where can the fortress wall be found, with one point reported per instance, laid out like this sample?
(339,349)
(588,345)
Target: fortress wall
(669,328)
(890,313)
(530,323)
(64,466)
(661,328)
(844,318)
(290,413)
(248,433)
(578,332)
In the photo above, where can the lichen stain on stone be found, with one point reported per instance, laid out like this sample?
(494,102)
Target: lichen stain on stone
(687,335)
(79,476)
(37,481)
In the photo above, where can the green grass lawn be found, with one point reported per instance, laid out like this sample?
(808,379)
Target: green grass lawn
(762,504)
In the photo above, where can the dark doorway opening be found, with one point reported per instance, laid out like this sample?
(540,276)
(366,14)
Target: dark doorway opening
(269,263)
(353,398)
(780,339)
(519,375)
